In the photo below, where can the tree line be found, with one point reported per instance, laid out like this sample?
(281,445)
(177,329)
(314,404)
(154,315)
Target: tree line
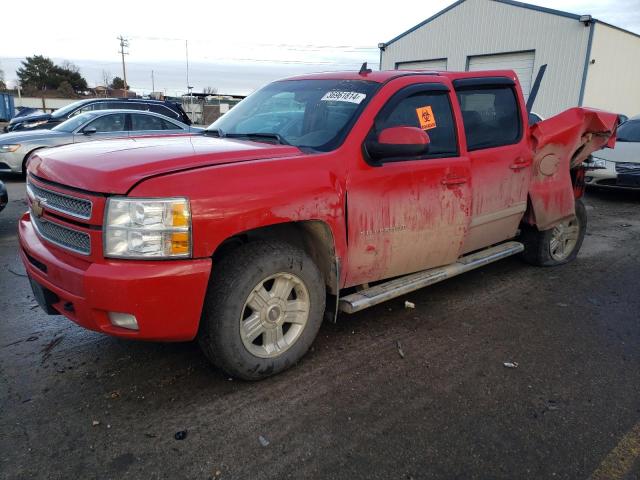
(39,74)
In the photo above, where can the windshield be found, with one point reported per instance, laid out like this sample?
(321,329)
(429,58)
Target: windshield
(74,122)
(629,131)
(62,112)
(315,114)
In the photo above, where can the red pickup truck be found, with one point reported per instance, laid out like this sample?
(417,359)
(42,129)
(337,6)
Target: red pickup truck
(319,193)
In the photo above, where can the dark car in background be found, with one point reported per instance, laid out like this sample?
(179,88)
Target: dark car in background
(4,198)
(49,120)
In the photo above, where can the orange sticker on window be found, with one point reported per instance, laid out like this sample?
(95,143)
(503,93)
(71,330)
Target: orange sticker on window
(426,118)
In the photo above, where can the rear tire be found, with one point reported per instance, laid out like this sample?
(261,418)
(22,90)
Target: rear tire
(263,309)
(558,245)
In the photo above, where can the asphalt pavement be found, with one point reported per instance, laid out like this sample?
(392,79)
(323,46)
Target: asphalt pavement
(389,393)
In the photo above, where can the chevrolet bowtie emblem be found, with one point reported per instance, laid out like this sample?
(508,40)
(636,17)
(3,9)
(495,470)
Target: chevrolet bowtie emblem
(37,206)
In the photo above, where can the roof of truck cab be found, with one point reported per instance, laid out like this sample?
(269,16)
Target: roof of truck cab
(383,76)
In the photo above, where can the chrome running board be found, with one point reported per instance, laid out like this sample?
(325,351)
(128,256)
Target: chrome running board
(403,285)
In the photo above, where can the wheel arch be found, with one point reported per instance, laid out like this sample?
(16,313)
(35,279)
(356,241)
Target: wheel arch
(314,236)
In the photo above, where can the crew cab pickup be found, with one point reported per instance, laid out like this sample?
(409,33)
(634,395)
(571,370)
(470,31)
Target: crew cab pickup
(316,194)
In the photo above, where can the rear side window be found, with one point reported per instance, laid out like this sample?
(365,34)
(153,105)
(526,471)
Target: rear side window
(149,122)
(491,117)
(162,110)
(430,111)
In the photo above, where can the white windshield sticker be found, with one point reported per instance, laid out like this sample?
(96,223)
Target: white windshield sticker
(351,97)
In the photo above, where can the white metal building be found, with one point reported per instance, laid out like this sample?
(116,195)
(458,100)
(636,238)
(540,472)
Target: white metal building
(590,62)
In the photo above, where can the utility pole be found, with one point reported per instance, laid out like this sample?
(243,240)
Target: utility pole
(153,83)
(124,43)
(189,87)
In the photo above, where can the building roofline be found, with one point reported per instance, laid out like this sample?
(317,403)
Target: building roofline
(617,28)
(513,3)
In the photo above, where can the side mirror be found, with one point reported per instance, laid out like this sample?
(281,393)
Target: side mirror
(398,142)
(89,130)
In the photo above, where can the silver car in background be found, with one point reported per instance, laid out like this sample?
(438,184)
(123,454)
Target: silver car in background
(618,167)
(16,147)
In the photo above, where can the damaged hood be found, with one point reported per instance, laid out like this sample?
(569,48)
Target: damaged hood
(114,166)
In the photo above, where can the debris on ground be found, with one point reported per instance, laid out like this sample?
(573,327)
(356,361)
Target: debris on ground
(46,350)
(510,364)
(16,273)
(181,435)
(95,423)
(625,225)
(263,441)
(408,304)
(399,347)
(562,305)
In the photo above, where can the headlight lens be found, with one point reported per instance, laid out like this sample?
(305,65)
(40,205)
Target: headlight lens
(141,228)
(595,164)
(34,124)
(9,148)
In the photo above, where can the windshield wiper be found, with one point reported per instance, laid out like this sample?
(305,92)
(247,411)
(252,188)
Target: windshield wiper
(259,135)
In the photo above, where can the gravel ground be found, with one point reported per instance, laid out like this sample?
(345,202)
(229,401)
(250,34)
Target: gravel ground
(77,404)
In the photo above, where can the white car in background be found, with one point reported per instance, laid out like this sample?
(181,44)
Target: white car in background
(618,167)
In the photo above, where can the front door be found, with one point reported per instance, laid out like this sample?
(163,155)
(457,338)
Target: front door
(113,125)
(409,214)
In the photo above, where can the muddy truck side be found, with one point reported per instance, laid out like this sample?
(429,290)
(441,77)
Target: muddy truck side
(316,194)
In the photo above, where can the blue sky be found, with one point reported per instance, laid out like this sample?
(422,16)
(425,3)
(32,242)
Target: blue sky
(233,46)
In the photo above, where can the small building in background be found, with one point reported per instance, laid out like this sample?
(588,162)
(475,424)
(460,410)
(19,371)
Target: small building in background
(589,62)
(206,108)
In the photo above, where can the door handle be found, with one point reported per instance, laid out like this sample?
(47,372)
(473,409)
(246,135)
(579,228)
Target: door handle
(453,181)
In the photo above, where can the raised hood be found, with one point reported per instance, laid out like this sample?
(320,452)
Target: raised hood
(114,166)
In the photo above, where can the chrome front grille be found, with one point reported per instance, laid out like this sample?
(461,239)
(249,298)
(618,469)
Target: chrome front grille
(64,237)
(60,202)
(627,167)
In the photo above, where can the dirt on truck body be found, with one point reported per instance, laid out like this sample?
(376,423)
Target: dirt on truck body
(246,236)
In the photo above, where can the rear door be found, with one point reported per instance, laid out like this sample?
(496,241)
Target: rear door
(411,214)
(500,157)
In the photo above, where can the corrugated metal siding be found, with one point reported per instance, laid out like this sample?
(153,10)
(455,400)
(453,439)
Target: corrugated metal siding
(439,64)
(520,62)
(482,27)
(613,81)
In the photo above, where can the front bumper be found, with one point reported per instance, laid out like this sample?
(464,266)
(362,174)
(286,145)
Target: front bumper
(166,297)
(609,178)
(11,161)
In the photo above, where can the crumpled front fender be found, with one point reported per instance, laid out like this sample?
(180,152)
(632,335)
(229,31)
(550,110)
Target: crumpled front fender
(560,144)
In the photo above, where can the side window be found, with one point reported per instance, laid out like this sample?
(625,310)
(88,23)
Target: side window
(428,110)
(162,110)
(149,122)
(114,105)
(491,117)
(87,108)
(109,123)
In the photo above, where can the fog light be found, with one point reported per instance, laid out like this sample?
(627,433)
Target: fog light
(124,320)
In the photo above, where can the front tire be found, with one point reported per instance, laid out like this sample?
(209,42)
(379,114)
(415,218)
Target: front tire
(263,309)
(558,245)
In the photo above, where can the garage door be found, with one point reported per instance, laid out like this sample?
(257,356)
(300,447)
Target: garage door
(521,63)
(439,64)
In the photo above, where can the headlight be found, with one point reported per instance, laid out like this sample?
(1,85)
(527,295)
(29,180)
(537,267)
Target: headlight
(9,148)
(34,124)
(596,164)
(147,228)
